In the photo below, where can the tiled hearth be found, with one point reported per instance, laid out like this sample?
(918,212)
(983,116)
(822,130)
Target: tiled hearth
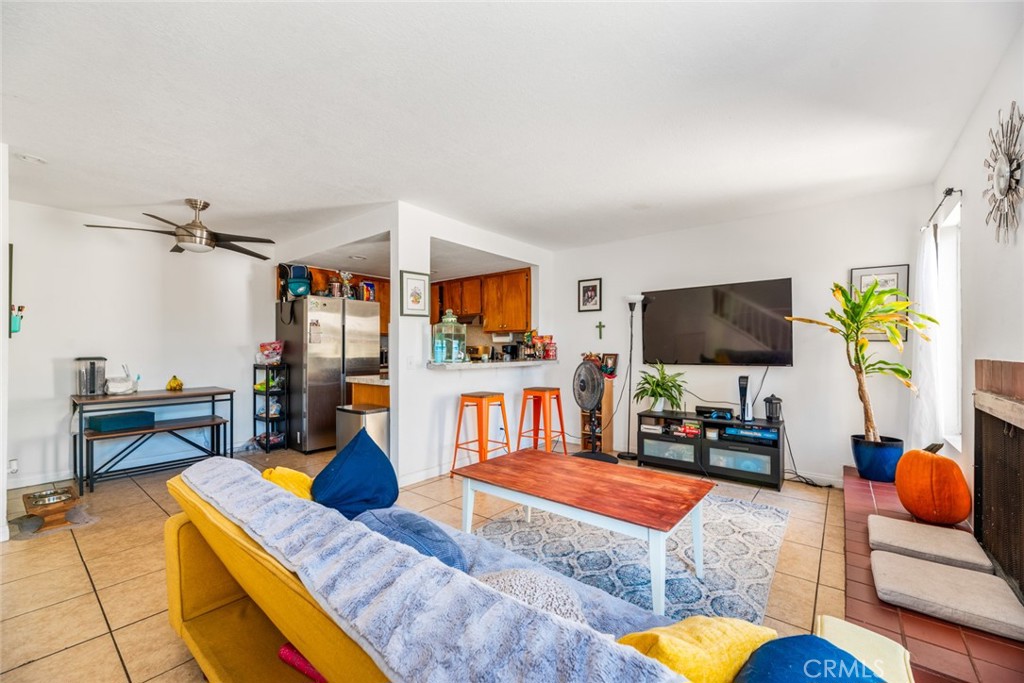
(940,651)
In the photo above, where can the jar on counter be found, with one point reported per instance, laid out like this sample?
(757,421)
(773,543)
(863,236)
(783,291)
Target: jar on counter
(551,351)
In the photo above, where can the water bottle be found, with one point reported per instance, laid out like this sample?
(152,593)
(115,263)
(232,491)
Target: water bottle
(438,350)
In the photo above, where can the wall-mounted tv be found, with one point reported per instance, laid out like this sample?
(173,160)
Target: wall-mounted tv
(736,324)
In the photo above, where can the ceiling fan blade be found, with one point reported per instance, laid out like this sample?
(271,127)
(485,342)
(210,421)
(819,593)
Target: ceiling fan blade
(241,250)
(225,237)
(176,249)
(162,220)
(121,227)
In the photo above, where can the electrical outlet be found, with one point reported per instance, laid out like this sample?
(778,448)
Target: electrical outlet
(12,466)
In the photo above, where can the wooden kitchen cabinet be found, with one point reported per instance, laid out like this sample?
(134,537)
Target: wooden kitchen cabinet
(506,301)
(384,297)
(451,296)
(435,304)
(472,296)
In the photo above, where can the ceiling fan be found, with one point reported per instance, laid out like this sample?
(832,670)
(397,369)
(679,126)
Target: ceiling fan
(194,236)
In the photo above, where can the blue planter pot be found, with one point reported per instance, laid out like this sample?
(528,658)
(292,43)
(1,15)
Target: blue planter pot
(876,460)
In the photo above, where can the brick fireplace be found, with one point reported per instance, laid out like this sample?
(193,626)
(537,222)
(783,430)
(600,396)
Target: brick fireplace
(999,464)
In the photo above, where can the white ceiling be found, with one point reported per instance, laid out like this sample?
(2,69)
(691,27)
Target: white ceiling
(548,122)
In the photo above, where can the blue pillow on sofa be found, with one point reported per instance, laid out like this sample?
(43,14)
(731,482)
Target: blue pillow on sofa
(417,532)
(359,478)
(803,659)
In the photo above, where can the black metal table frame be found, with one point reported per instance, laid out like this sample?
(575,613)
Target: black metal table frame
(82,451)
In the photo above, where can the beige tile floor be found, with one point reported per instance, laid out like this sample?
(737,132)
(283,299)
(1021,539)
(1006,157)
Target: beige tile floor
(90,604)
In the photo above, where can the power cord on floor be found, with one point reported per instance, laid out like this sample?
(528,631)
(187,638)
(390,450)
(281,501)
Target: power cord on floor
(797,477)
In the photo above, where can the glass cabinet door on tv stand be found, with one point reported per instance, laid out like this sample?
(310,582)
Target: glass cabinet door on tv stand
(751,452)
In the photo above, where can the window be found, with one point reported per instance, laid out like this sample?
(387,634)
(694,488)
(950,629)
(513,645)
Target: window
(948,314)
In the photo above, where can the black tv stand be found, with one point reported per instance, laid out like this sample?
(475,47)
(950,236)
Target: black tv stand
(751,452)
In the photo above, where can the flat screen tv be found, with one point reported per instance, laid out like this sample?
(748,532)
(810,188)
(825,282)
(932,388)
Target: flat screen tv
(737,324)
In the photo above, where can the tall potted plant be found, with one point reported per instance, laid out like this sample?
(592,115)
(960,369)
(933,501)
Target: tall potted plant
(862,313)
(660,387)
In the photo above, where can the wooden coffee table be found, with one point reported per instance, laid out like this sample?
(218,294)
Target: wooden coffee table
(643,504)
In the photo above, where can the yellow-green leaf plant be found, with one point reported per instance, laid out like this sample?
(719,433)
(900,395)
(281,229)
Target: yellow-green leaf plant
(661,385)
(862,313)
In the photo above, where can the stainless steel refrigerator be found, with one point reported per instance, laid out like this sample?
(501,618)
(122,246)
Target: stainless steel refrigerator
(325,339)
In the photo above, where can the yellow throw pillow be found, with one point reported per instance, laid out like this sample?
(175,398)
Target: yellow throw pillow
(704,649)
(299,483)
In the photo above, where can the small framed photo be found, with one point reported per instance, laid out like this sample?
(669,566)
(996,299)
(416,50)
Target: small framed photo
(589,295)
(888,277)
(610,363)
(415,294)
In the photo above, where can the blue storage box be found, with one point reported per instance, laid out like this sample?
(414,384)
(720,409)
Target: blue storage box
(115,421)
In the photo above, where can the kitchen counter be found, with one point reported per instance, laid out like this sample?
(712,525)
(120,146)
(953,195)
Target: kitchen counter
(374,380)
(494,364)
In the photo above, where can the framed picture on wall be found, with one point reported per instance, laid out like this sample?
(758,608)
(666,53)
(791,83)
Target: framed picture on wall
(415,294)
(589,295)
(888,277)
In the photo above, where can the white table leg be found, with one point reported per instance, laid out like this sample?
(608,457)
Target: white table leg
(656,548)
(698,540)
(467,505)
(529,514)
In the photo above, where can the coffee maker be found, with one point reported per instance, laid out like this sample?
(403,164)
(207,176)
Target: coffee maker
(510,351)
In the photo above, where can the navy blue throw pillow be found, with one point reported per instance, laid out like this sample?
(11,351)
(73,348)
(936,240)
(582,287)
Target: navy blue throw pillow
(417,532)
(359,478)
(804,659)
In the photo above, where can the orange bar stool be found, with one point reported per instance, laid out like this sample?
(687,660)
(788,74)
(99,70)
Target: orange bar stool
(541,398)
(483,401)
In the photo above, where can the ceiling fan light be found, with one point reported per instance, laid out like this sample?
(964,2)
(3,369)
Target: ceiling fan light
(197,247)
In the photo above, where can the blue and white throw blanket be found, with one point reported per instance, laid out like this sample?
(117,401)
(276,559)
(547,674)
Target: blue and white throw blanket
(418,619)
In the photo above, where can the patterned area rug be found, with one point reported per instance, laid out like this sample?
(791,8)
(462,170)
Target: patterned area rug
(741,547)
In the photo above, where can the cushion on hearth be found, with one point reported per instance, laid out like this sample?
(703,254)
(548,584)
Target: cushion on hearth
(704,649)
(359,478)
(932,488)
(297,482)
(933,543)
(539,590)
(885,656)
(969,598)
(415,531)
(804,659)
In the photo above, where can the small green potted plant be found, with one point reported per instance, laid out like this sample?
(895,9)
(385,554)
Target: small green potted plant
(862,313)
(660,388)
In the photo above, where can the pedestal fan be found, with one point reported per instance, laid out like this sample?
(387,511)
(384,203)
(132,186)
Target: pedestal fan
(588,390)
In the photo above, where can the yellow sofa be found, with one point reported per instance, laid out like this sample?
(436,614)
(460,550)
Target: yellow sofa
(234,605)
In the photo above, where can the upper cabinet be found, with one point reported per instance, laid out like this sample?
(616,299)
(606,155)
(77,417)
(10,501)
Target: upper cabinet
(381,294)
(503,299)
(506,301)
(435,303)
(464,297)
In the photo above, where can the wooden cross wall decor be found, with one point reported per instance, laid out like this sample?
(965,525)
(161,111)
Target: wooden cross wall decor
(600,329)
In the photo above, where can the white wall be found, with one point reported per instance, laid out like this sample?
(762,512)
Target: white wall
(124,296)
(424,402)
(814,247)
(992,274)
(4,346)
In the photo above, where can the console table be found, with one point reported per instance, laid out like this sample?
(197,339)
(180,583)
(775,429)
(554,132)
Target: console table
(82,443)
(751,452)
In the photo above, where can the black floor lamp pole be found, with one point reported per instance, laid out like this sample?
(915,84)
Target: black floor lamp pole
(629,455)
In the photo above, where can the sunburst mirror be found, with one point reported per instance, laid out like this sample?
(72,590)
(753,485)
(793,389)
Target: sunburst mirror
(1004,164)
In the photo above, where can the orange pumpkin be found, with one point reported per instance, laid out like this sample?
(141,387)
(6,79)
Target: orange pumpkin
(932,488)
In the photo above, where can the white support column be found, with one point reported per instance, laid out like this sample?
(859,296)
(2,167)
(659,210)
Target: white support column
(5,238)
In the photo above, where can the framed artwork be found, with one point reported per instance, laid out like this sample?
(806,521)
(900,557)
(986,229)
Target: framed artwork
(415,294)
(888,277)
(610,363)
(589,295)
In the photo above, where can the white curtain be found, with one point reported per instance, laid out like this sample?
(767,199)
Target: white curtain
(926,407)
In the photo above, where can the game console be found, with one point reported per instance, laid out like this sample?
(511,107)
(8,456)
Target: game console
(746,411)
